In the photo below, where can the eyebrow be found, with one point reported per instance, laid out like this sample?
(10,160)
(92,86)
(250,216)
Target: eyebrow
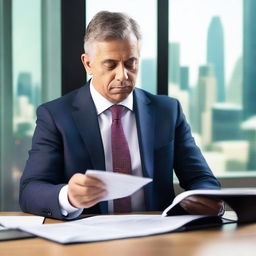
(132,59)
(108,60)
(113,60)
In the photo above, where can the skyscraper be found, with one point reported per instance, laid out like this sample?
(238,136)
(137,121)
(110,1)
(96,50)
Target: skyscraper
(215,54)
(249,70)
(249,126)
(234,90)
(205,98)
(226,120)
(174,63)
(24,86)
(184,78)
(148,75)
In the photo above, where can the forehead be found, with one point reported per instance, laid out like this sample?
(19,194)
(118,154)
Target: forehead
(116,49)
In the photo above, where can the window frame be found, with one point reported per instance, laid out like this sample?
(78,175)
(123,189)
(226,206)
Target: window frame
(6,115)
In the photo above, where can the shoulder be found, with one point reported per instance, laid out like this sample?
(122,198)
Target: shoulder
(65,102)
(65,99)
(156,100)
(164,107)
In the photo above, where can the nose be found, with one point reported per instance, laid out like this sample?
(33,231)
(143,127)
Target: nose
(121,73)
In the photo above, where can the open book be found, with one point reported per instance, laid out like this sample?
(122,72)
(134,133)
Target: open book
(109,227)
(241,200)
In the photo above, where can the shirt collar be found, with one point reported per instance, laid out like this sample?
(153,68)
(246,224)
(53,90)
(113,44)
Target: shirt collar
(102,104)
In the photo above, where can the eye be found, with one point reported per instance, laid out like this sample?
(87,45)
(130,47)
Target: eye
(110,64)
(131,63)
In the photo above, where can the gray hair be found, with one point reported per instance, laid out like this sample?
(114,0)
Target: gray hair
(110,26)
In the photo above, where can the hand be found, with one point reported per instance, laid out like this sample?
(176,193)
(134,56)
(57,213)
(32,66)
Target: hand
(202,205)
(85,191)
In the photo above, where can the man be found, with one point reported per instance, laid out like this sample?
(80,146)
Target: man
(73,134)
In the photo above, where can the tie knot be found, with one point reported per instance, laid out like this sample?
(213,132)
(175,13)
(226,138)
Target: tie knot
(116,111)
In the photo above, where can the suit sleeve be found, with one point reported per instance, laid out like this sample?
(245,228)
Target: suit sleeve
(190,166)
(42,178)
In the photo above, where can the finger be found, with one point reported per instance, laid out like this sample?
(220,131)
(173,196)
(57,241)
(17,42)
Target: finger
(202,205)
(93,182)
(85,180)
(86,191)
(204,200)
(200,209)
(87,202)
(195,208)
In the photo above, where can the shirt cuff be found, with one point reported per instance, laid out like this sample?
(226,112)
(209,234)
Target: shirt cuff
(66,208)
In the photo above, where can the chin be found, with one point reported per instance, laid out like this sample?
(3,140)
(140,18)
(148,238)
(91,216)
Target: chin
(119,98)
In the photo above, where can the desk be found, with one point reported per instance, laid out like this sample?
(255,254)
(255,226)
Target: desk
(228,240)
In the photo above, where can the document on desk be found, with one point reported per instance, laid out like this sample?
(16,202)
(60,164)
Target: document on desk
(8,222)
(9,226)
(101,228)
(110,227)
(118,185)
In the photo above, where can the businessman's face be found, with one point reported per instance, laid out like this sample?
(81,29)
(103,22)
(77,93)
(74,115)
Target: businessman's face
(114,66)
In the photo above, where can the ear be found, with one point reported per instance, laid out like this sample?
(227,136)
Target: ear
(86,60)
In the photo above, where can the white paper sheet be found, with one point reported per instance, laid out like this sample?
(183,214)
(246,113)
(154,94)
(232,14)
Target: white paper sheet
(17,221)
(100,228)
(118,185)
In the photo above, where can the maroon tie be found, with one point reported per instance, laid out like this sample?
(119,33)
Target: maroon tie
(120,155)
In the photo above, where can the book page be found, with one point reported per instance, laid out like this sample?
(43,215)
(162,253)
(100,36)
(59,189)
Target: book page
(232,196)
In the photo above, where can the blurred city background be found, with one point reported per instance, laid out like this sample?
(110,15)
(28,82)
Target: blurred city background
(212,60)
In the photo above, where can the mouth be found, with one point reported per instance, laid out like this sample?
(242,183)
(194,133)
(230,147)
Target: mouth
(128,87)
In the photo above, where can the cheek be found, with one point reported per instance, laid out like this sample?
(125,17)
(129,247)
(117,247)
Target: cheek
(108,78)
(104,76)
(106,81)
(132,76)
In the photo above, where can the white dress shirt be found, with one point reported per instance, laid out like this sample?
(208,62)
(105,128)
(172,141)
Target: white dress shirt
(130,130)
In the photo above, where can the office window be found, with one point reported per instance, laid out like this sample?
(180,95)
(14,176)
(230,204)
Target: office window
(31,52)
(211,61)
(147,21)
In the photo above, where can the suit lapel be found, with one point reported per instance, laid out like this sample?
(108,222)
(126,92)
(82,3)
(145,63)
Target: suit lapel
(85,116)
(145,116)
(86,119)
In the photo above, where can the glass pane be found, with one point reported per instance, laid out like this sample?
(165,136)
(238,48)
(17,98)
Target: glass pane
(147,74)
(211,56)
(28,32)
(26,38)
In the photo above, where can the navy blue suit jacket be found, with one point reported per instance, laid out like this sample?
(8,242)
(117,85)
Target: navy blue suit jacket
(67,140)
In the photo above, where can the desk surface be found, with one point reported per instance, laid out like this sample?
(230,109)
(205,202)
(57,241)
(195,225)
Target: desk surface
(229,239)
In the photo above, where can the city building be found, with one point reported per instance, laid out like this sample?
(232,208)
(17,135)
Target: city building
(205,98)
(174,63)
(249,59)
(215,55)
(226,120)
